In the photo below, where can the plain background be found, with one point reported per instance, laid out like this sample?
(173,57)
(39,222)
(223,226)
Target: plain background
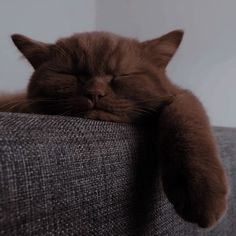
(44,20)
(205,62)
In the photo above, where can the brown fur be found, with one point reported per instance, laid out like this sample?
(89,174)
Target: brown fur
(14,102)
(193,177)
(103,76)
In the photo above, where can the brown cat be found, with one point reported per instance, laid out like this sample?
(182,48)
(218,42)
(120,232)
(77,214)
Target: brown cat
(103,76)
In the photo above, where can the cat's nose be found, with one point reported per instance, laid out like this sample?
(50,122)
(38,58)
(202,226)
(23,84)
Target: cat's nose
(94,95)
(95,89)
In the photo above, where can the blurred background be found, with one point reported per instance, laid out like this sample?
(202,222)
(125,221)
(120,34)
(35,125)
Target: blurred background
(205,62)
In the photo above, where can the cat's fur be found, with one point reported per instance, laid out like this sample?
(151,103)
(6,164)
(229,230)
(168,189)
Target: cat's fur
(103,76)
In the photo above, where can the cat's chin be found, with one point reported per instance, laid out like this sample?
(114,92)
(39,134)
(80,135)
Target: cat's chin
(103,115)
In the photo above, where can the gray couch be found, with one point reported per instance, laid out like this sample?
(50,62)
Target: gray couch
(71,176)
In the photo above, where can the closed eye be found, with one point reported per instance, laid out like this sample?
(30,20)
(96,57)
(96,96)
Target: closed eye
(64,90)
(124,75)
(130,74)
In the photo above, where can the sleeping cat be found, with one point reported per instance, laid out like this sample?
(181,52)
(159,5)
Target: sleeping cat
(104,76)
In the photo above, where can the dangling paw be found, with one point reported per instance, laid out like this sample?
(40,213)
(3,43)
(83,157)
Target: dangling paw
(198,196)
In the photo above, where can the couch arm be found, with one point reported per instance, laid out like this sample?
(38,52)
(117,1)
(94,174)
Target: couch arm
(71,176)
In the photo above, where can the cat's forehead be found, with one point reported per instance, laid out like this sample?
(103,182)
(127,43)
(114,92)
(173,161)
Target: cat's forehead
(98,51)
(102,40)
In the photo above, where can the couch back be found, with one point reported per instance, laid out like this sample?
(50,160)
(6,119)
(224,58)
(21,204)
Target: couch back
(72,176)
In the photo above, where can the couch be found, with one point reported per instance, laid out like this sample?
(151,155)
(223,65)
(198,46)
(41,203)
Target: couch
(72,176)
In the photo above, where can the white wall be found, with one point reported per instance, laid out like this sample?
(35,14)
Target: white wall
(206,61)
(44,20)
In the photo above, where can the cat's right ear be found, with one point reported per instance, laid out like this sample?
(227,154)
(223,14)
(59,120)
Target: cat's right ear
(34,51)
(161,50)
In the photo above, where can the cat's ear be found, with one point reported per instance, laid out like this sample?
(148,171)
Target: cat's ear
(34,51)
(161,50)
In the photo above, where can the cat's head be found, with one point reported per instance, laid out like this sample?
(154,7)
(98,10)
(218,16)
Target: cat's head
(99,75)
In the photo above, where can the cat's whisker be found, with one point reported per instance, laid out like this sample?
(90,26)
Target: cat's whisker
(9,106)
(144,111)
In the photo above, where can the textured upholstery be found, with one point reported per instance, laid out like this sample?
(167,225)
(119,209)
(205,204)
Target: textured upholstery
(71,176)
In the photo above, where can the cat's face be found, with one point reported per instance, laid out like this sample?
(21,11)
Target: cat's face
(99,75)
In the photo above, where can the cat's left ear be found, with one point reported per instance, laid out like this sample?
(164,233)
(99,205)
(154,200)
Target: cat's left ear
(34,51)
(161,50)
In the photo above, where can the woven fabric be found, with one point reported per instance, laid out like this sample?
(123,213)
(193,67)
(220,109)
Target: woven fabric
(71,176)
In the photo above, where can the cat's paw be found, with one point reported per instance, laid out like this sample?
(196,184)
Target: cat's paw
(198,196)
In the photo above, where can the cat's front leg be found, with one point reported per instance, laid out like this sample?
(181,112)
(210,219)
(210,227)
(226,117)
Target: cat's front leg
(193,176)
